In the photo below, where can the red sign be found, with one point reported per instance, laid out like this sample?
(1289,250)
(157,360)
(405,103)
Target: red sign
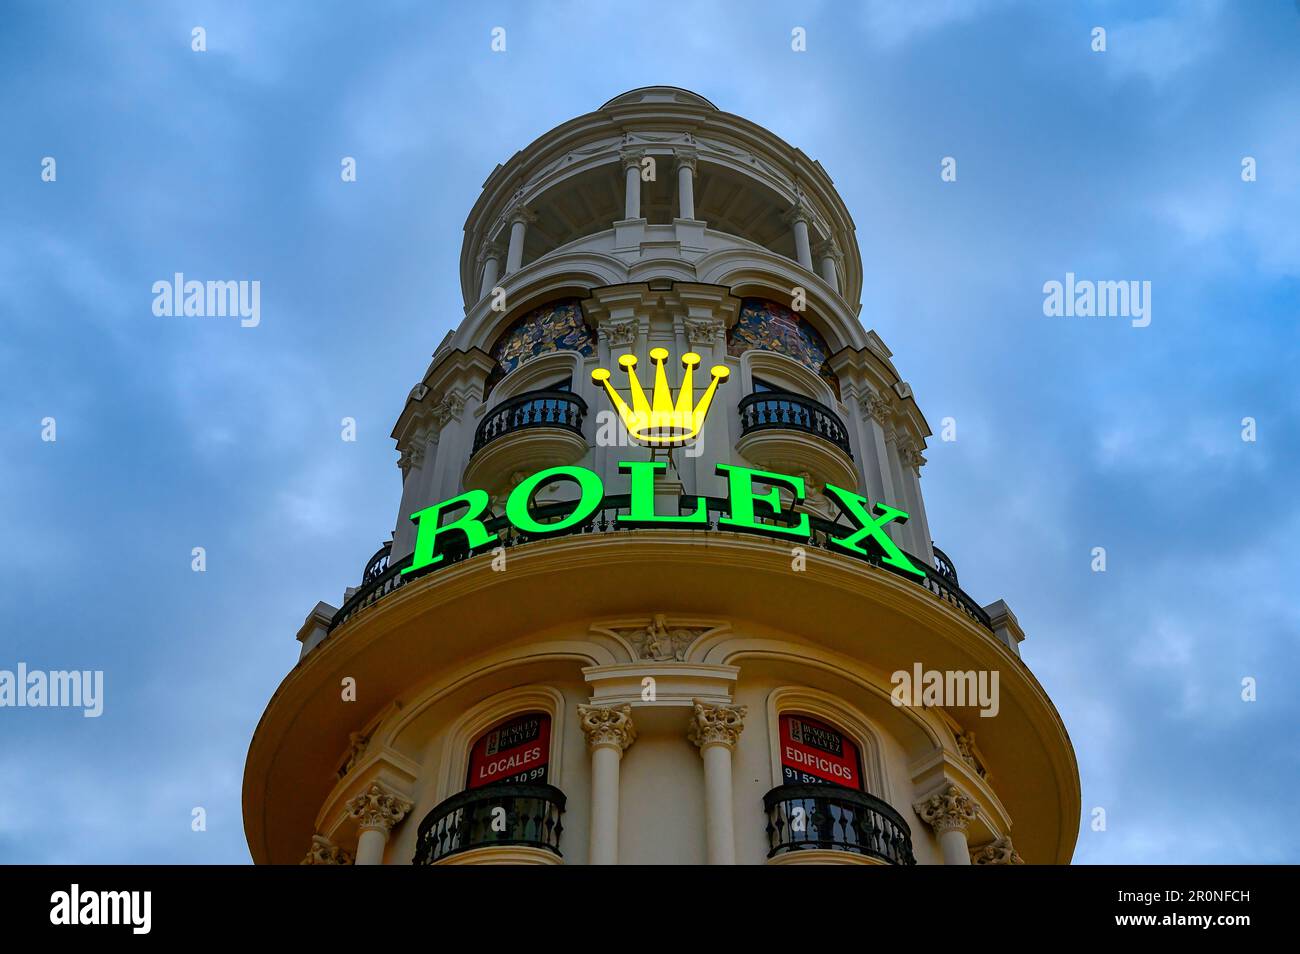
(813,752)
(516,750)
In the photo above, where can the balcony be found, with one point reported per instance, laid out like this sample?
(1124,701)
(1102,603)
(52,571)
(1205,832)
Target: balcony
(794,434)
(464,823)
(828,818)
(531,431)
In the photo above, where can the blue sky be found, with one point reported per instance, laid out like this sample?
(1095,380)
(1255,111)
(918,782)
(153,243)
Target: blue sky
(1072,433)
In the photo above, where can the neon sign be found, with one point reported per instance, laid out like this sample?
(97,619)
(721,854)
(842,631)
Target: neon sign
(746,505)
(660,421)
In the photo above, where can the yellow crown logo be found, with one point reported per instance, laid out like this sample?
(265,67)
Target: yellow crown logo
(660,421)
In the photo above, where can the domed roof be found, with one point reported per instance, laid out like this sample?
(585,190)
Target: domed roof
(659,94)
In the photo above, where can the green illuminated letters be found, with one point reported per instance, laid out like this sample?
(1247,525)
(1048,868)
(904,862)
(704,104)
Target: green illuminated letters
(642,509)
(856,507)
(870,520)
(427,528)
(740,486)
(591,492)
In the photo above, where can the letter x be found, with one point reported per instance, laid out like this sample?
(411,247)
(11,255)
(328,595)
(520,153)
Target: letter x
(872,528)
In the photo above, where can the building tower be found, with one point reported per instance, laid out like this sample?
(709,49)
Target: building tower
(596,638)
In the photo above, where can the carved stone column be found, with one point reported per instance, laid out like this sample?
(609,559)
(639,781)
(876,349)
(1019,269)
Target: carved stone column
(798,218)
(1000,852)
(828,259)
(949,813)
(379,811)
(325,852)
(609,731)
(489,260)
(686,159)
(631,159)
(716,730)
(520,219)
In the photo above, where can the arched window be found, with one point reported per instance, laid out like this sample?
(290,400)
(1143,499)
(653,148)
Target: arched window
(514,751)
(765,325)
(555,326)
(814,752)
(507,800)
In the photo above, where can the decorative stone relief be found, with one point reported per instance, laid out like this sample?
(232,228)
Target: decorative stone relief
(814,496)
(966,749)
(947,810)
(1000,852)
(909,454)
(660,641)
(356,748)
(449,408)
(325,852)
(607,725)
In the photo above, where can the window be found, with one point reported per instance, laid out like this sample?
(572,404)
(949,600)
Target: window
(514,751)
(763,387)
(817,753)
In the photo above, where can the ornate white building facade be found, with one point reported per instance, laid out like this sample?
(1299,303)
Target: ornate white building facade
(602,690)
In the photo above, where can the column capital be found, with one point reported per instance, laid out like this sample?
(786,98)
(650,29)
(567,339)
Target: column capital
(491,250)
(799,212)
(378,808)
(716,724)
(521,213)
(686,157)
(325,852)
(631,157)
(607,725)
(947,810)
(878,406)
(704,331)
(828,248)
(1000,852)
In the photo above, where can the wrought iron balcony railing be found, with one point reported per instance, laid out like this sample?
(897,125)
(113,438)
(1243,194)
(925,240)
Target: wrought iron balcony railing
(466,821)
(838,819)
(943,563)
(378,564)
(531,409)
(505,534)
(794,412)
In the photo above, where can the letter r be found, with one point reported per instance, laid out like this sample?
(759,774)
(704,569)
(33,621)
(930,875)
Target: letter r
(427,528)
(871,528)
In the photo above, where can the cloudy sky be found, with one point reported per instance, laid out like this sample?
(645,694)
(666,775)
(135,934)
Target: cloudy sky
(1072,433)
